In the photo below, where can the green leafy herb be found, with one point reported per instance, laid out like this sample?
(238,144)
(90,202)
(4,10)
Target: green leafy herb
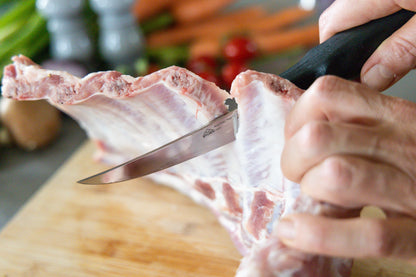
(22,30)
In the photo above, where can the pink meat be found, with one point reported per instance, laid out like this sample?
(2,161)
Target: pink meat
(264,100)
(240,182)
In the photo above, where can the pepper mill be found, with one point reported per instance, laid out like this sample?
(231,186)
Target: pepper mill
(68,35)
(120,38)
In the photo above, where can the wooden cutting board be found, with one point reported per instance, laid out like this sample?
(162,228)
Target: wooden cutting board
(135,228)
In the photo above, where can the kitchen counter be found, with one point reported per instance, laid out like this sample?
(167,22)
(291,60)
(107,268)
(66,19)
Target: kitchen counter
(23,172)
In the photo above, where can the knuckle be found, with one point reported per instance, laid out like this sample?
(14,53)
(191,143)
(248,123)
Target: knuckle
(380,240)
(321,92)
(323,20)
(334,183)
(324,86)
(287,165)
(315,136)
(404,50)
(338,173)
(315,238)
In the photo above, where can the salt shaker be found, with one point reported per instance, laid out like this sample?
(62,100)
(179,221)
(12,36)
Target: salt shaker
(68,35)
(120,38)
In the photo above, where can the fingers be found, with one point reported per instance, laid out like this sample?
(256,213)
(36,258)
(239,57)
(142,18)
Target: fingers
(354,182)
(318,140)
(331,98)
(362,122)
(359,134)
(358,238)
(342,15)
(393,59)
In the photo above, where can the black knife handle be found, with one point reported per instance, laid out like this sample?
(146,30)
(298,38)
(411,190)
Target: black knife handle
(345,53)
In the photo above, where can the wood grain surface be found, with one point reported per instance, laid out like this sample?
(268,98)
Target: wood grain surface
(135,228)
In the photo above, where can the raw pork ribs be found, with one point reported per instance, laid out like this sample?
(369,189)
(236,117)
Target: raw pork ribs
(240,182)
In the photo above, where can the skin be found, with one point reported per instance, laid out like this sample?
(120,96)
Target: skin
(351,146)
(395,57)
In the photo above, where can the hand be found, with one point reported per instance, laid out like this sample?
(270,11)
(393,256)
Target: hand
(351,146)
(395,57)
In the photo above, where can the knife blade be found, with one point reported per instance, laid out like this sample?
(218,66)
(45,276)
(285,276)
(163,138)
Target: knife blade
(342,55)
(218,132)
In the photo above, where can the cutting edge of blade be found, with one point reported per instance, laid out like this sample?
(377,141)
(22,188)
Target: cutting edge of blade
(96,179)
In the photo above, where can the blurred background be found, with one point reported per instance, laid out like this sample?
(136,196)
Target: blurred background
(216,39)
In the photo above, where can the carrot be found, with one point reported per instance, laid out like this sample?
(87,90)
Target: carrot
(214,27)
(267,43)
(144,9)
(192,11)
(210,47)
(278,42)
(279,19)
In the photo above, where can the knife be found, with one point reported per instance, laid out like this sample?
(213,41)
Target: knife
(342,55)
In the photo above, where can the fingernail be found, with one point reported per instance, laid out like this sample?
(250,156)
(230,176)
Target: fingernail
(379,77)
(286,229)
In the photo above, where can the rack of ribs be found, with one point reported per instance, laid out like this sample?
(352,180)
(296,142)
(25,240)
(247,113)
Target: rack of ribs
(241,182)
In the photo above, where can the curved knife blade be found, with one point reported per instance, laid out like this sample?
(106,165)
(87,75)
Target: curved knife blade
(218,132)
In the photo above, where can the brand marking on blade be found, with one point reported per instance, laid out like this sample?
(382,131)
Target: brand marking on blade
(216,127)
(208,132)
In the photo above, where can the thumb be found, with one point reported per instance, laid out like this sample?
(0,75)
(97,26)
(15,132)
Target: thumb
(393,59)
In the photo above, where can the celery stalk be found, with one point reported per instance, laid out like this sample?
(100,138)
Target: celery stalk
(33,28)
(22,9)
(11,29)
(22,30)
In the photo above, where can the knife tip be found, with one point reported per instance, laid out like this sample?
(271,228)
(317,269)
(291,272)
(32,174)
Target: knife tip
(89,181)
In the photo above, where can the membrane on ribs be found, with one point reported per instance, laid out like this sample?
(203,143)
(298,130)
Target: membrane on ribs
(240,182)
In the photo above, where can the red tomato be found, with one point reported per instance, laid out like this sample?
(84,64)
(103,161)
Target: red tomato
(202,64)
(239,49)
(210,76)
(230,71)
